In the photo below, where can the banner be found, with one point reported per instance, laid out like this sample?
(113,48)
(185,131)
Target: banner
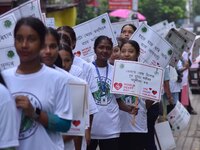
(119,4)
(196,49)
(138,79)
(117,26)
(87,32)
(154,49)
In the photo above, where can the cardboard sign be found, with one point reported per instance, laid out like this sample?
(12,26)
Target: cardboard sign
(138,79)
(30,8)
(179,43)
(189,36)
(196,49)
(8,58)
(154,49)
(7,25)
(50,22)
(161,28)
(78,92)
(87,32)
(179,117)
(117,26)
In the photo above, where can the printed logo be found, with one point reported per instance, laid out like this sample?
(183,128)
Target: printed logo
(28,126)
(103,96)
(121,66)
(144,29)
(76,123)
(103,20)
(10,54)
(117,85)
(7,24)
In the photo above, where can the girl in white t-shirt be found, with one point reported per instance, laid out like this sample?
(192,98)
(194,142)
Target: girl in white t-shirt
(133,129)
(41,93)
(9,116)
(105,128)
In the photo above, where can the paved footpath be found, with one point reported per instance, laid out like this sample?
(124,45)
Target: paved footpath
(189,139)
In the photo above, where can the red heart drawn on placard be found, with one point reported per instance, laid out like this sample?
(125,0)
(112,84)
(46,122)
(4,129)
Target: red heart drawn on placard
(78,53)
(154,92)
(117,85)
(76,123)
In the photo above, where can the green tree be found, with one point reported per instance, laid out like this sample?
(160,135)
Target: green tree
(159,10)
(196,7)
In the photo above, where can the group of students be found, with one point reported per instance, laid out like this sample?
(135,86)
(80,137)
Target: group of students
(39,112)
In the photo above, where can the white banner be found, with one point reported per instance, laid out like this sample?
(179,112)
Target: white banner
(154,49)
(7,25)
(138,79)
(87,32)
(8,58)
(117,26)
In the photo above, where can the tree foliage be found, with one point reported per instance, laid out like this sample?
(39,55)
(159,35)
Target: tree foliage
(159,10)
(196,7)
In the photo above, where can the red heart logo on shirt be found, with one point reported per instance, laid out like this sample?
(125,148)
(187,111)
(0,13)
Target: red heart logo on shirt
(117,85)
(76,123)
(78,53)
(154,92)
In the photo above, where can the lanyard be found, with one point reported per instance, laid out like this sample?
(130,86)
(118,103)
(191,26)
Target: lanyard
(103,86)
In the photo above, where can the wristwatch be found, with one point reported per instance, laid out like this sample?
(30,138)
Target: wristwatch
(37,113)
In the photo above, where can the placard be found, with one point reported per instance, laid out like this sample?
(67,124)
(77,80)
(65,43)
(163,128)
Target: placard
(178,118)
(178,42)
(78,92)
(189,36)
(30,8)
(154,49)
(50,22)
(7,25)
(8,58)
(138,79)
(117,26)
(196,49)
(87,32)
(161,28)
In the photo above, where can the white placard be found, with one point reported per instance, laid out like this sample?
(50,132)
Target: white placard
(78,93)
(154,49)
(30,8)
(179,43)
(7,25)
(8,58)
(138,79)
(50,22)
(179,117)
(196,49)
(161,28)
(87,32)
(190,36)
(117,26)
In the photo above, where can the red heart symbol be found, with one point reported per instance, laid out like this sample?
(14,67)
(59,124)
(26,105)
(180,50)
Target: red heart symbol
(154,92)
(78,53)
(150,88)
(117,85)
(76,123)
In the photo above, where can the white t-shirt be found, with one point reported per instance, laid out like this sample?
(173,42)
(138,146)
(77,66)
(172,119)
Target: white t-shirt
(88,72)
(10,120)
(126,119)
(174,85)
(48,90)
(106,121)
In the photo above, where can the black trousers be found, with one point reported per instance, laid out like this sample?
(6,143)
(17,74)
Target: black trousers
(104,144)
